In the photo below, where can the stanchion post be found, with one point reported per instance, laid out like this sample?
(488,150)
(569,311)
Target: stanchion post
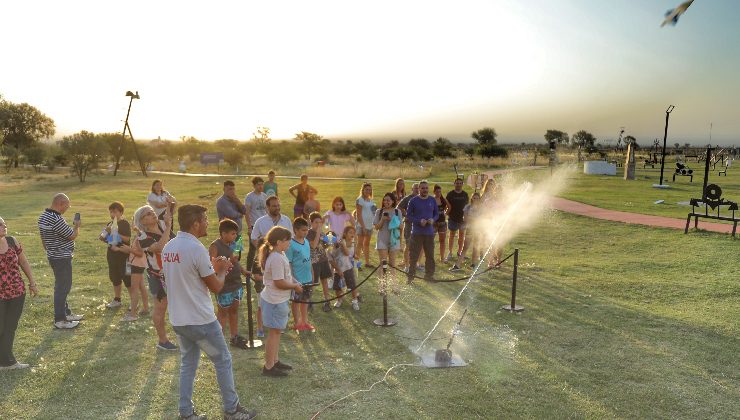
(384,322)
(513,307)
(252,343)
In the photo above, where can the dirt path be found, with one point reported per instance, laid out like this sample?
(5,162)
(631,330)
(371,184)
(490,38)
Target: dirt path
(581,209)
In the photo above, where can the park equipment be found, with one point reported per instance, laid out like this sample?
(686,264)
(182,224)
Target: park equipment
(665,138)
(123,137)
(385,321)
(444,358)
(683,170)
(711,198)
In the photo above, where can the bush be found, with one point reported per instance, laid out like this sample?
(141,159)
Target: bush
(491,150)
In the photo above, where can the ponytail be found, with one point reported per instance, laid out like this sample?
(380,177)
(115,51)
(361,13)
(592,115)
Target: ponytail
(277,233)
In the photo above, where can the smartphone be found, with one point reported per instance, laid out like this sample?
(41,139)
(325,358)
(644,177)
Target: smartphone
(77,217)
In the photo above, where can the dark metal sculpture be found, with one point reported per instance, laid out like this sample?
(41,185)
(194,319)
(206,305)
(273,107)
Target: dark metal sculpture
(665,138)
(683,170)
(711,199)
(123,136)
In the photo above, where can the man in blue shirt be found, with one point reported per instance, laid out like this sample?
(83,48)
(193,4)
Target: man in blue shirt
(422,212)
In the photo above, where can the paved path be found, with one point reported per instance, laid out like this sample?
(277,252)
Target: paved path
(640,219)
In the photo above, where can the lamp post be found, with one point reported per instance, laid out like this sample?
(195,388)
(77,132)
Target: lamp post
(123,136)
(665,138)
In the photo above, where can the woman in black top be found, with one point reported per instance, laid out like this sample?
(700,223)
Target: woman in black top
(440,225)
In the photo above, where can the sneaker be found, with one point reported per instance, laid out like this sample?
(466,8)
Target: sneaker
(282,366)
(241,413)
(66,325)
(355,305)
(260,333)
(274,372)
(17,365)
(167,346)
(455,268)
(338,303)
(419,268)
(239,342)
(194,416)
(73,317)
(113,304)
(327,307)
(129,318)
(448,257)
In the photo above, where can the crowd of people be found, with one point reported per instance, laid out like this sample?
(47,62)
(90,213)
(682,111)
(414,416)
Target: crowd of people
(286,258)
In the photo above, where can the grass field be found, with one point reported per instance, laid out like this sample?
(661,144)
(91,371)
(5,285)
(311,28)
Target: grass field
(620,322)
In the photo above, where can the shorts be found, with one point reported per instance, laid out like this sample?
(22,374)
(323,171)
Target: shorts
(137,270)
(385,244)
(117,268)
(305,295)
(274,315)
(453,225)
(349,280)
(364,232)
(156,288)
(297,211)
(321,270)
(440,227)
(224,300)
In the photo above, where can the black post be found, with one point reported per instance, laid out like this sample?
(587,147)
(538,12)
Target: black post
(123,137)
(252,344)
(136,150)
(665,138)
(710,149)
(384,322)
(513,307)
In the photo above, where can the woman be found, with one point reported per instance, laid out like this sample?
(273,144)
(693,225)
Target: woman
(387,221)
(399,191)
(338,217)
(152,245)
(12,294)
(160,199)
(440,225)
(365,207)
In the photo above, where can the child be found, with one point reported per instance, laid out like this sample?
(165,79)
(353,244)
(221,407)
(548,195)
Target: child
(319,260)
(231,294)
(470,212)
(117,234)
(137,261)
(274,298)
(271,187)
(311,205)
(299,257)
(344,272)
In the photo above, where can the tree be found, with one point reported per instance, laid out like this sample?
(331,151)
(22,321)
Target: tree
(282,153)
(367,150)
(559,136)
(35,156)
(419,143)
(21,126)
(309,142)
(233,157)
(422,149)
(583,139)
(442,148)
(84,150)
(491,151)
(485,135)
(403,153)
(262,140)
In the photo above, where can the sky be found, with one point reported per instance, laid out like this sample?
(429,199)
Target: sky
(379,70)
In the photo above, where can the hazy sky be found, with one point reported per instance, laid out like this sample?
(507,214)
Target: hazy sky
(381,69)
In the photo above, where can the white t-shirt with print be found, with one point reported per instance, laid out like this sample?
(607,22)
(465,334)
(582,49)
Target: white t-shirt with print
(277,267)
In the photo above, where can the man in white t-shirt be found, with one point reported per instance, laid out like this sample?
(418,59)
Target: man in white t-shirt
(256,205)
(190,276)
(272,218)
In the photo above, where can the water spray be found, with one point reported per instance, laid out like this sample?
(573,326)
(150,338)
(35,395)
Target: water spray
(443,358)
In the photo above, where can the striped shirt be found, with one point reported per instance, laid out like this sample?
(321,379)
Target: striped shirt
(55,235)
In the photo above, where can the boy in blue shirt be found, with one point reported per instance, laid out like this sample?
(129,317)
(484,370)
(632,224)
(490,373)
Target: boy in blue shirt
(299,257)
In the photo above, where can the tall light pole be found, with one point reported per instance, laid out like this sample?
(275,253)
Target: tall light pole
(123,136)
(665,138)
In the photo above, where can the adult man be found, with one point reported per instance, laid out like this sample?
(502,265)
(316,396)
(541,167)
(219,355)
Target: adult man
(255,204)
(190,274)
(229,206)
(272,218)
(58,241)
(422,212)
(403,205)
(457,199)
(300,192)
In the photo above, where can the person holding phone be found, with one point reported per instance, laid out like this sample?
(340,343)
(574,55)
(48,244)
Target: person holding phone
(58,239)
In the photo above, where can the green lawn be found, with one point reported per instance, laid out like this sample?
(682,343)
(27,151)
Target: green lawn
(620,321)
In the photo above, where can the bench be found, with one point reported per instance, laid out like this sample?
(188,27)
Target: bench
(683,170)
(728,162)
(648,162)
(712,200)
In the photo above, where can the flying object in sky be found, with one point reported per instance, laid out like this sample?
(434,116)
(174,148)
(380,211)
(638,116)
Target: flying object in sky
(672,15)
